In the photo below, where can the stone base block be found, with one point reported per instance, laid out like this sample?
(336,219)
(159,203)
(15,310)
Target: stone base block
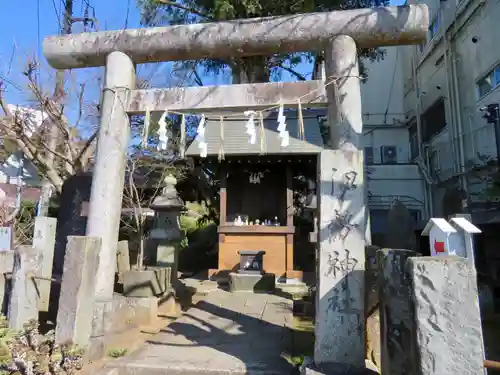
(167,305)
(152,282)
(251,283)
(334,369)
(119,315)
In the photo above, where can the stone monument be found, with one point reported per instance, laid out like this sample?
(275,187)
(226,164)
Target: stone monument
(401,229)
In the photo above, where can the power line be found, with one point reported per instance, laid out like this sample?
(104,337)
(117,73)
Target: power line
(57,14)
(392,85)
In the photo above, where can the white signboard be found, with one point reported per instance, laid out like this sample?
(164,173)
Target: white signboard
(5,238)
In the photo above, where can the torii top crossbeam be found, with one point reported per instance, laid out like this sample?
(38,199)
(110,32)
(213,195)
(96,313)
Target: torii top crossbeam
(369,27)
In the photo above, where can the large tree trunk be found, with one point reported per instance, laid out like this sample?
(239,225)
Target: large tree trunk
(254,69)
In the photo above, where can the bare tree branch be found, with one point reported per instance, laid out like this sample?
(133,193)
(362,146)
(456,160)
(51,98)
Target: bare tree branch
(297,75)
(186,8)
(70,155)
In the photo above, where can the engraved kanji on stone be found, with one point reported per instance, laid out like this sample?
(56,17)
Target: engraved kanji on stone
(341,226)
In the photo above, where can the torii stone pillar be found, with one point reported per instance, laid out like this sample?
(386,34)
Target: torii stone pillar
(109,169)
(340,318)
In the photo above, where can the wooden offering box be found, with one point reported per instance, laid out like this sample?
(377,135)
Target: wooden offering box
(275,242)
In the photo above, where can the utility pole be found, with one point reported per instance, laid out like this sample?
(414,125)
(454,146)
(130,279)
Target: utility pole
(43,204)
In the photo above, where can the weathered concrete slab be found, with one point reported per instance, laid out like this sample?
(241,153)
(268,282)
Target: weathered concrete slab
(448,336)
(371,27)
(74,317)
(212,338)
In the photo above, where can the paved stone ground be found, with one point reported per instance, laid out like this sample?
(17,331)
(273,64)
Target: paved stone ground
(226,333)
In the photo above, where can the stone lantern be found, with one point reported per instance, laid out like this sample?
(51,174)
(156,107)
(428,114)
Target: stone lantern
(166,233)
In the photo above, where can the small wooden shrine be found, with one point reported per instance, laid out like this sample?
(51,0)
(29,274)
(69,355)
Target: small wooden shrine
(256,229)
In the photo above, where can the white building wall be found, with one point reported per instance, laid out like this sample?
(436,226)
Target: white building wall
(382,93)
(9,171)
(464,49)
(384,124)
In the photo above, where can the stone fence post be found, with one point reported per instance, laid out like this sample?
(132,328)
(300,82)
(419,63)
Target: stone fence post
(24,296)
(44,242)
(395,311)
(6,266)
(447,335)
(76,301)
(372,306)
(122,259)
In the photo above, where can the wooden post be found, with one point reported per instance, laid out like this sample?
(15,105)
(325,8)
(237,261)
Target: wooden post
(223,195)
(289,222)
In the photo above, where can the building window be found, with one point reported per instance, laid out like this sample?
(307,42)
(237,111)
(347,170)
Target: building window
(369,159)
(433,120)
(434,161)
(489,82)
(434,26)
(389,155)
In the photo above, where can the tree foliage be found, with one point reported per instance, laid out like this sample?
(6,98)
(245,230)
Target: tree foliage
(254,68)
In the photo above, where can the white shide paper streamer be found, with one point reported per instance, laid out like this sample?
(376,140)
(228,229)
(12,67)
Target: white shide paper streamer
(283,133)
(202,145)
(162,132)
(250,126)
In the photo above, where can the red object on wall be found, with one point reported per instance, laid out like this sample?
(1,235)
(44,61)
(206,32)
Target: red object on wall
(438,246)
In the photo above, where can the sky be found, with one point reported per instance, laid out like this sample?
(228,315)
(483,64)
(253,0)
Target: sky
(21,34)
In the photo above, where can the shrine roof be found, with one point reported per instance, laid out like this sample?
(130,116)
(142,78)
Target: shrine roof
(236,140)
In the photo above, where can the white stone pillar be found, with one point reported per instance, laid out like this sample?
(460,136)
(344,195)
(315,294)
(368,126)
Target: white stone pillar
(340,315)
(447,335)
(109,171)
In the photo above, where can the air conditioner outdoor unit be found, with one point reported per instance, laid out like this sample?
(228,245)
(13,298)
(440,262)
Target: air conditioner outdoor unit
(389,154)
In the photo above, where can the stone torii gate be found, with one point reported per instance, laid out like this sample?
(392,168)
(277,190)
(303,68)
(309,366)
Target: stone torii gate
(340,305)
